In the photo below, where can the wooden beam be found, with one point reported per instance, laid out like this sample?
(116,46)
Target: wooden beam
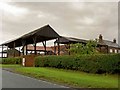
(55,48)
(45,48)
(23,50)
(19,51)
(14,48)
(26,49)
(2,51)
(44,44)
(7,50)
(58,47)
(23,45)
(34,44)
(35,49)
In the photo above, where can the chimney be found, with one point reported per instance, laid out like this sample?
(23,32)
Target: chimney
(114,40)
(100,38)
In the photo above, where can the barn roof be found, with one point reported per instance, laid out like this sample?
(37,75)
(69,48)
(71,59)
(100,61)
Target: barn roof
(66,40)
(42,34)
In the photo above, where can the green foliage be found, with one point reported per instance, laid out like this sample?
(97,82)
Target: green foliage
(0,60)
(79,48)
(15,60)
(90,47)
(103,63)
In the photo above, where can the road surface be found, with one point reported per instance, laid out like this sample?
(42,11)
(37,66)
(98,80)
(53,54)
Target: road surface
(13,80)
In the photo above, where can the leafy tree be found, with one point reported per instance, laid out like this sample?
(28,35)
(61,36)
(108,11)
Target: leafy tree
(90,47)
(79,48)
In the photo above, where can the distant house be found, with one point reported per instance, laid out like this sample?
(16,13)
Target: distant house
(63,49)
(107,46)
(40,50)
(103,46)
(50,50)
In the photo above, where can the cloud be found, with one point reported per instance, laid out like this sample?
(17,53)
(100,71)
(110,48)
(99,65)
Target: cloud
(81,19)
(10,9)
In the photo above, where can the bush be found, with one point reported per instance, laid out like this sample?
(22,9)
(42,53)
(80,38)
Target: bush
(0,60)
(79,48)
(15,60)
(100,63)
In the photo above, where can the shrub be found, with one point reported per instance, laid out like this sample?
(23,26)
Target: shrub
(15,60)
(99,63)
(79,48)
(0,60)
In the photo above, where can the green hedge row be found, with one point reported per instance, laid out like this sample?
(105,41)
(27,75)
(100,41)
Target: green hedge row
(15,60)
(105,63)
(0,60)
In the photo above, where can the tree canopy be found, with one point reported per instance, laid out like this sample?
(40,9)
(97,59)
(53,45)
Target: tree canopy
(79,48)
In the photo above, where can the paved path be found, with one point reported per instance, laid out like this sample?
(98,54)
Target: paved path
(12,80)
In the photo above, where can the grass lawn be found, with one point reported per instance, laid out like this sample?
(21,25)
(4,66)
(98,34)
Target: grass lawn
(68,77)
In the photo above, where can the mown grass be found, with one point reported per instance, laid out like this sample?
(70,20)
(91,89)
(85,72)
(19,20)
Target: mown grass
(68,77)
(9,65)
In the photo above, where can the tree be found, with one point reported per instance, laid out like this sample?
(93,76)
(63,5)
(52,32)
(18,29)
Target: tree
(79,48)
(90,47)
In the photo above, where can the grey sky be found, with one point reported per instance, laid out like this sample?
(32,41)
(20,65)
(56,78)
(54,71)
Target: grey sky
(84,20)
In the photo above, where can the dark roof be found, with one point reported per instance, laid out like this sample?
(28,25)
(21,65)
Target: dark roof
(42,34)
(109,43)
(66,40)
(45,31)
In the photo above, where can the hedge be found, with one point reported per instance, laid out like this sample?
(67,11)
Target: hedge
(0,60)
(15,60)
(101,63)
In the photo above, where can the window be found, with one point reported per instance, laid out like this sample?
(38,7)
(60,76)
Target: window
(115,50)
(111,50)
(4,54)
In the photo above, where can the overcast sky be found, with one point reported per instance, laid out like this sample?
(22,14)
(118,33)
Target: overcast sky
(85,20)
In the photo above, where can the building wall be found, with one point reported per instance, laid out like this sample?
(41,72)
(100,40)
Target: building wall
(104,49)
(113,50)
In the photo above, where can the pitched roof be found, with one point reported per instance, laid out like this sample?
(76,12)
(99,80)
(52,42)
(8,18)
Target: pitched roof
(109,43)
(42,34)
(65,40)
(45,31)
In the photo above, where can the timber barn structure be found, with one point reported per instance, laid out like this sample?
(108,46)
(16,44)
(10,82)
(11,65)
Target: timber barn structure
(44,34)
